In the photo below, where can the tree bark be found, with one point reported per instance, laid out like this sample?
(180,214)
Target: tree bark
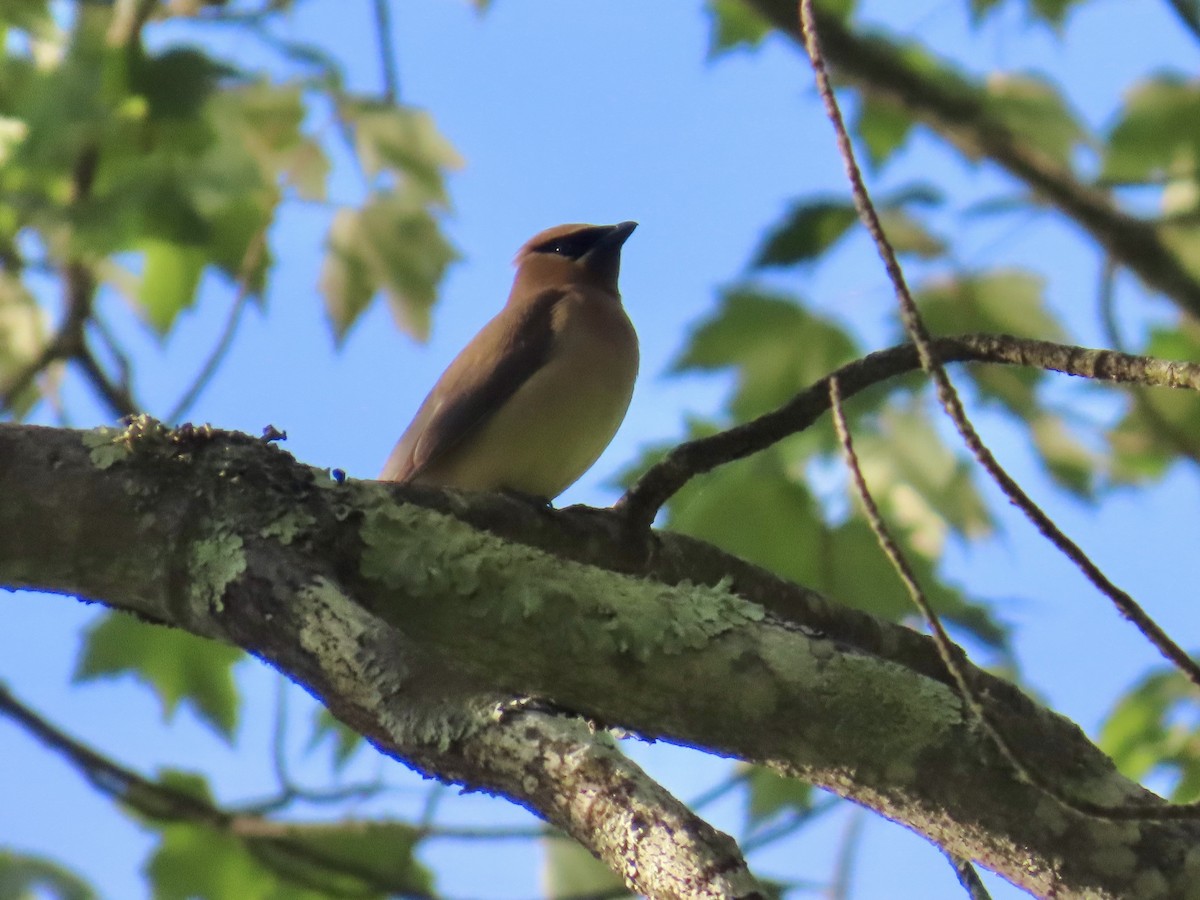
(418,616)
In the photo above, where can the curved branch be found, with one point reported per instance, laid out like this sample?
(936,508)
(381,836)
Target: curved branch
(684,462)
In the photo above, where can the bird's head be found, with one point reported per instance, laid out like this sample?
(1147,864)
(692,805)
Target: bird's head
(589,254)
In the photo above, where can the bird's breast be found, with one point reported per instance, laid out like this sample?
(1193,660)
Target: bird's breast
(558,422)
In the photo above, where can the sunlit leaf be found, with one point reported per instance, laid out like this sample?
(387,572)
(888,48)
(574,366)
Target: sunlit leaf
(918,481)
(1155,134)
(734,24)
(883,127)
(393,244)
(1035,110)
(178,666)
(170,277)
(403,140)
(856,571)
(1161,425)
(1154,729)
(907,235)
(776,345)
(1008,301)
(1072,465)
(768,793)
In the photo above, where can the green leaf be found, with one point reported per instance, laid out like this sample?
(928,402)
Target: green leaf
(1052,12)
(170,276)
(571,871)
(1161,425)
(883,127)
(1005,301)
(776,345)
(1009,301)
(23,334)
(1152,730)
(392,244)
(1033,108)
(807,231)
(917,480)
(23,876)
(1072,465)
(785,534)
(1156,134)
(193,862)
(346,857)
(287,862)
(402,140)
(734,24)
(855,571)
(907,235)
(813,226)
(788,536)
(177,83)
(178,666)
(768,793)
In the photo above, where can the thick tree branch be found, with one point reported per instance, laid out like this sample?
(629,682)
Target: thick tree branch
(956,110)
(392,606)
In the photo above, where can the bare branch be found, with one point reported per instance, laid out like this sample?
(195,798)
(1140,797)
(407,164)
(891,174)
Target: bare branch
(685,461)
(387,52)
(951,402)
(252,259)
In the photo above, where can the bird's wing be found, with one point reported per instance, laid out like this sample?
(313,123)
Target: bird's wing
(488,371)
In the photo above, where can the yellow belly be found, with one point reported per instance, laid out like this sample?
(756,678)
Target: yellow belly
(551,431)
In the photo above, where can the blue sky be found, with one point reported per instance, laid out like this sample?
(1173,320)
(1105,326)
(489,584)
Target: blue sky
(603,112)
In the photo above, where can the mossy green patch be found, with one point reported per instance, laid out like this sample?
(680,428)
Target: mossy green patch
(292,522)
(426,556)
(214,563)
(107,446)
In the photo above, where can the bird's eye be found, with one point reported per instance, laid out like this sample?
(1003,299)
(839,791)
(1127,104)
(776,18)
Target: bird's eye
(572,246)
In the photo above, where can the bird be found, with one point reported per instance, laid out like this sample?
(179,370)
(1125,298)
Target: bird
(532,401)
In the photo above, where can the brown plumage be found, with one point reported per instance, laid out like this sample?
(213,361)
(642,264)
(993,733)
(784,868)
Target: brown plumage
(536,396)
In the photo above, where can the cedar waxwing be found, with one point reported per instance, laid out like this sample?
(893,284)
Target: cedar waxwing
(536,396)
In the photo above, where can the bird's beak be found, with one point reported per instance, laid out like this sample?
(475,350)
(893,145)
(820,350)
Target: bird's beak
(617,235)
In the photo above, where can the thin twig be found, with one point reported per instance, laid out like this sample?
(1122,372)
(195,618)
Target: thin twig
(290,792)
(160,802)
(961,113)
(955,659)
(914,325)
(799,819)
(739,777)
(843,867)
(687,460)
(251,261)
(387,52)
(968,877)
